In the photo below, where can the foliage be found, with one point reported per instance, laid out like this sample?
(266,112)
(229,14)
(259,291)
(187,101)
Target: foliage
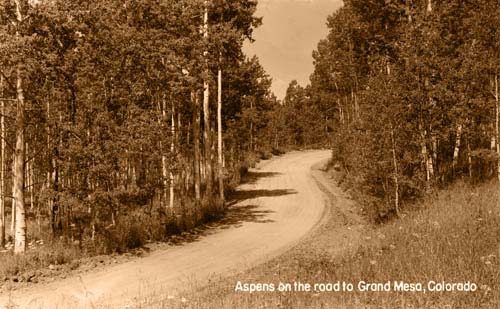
(407,93)
(113,91)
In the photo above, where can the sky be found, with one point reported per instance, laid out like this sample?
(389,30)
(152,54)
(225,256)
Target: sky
(290,32)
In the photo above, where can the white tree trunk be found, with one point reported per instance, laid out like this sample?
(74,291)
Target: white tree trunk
(396,177)
(434,149)
(18,183)
(20,234)
(469,158)
(425,156)
(457,145)
(172,150)
(2,166)
(251,126)
(196,145)
(13,199)
(497,132)
(206,111)
(163,107)
(219,135)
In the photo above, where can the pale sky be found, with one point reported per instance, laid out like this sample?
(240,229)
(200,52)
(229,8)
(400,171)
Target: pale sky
(290,32)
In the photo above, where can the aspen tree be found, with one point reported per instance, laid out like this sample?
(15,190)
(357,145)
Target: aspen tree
(196,142)
(458,139)
(219,134)
(172,150)
(18,183)
(163,108)
(13,199)
(429,164)
(396,171)
(2,165)
(206,109)
(497,124)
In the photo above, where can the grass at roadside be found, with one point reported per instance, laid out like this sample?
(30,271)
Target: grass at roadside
(453,237)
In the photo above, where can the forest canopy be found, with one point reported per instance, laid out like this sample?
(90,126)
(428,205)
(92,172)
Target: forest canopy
(117,113)
(409,91)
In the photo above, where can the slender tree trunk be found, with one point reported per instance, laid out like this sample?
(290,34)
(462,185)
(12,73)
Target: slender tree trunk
(497,124)
(18,183)
(430,167)
(50,201)
(395,166)
(164,176)
(346,99)
(163,156)
(251,126)
(206,112)
(20,235)
(457,145)
(172,150)
(427,158)
(355,104)
(434,152)
(408,11)
(13,199)
(2,166)
(469,157)
(341,112)
(28,175)
(219,135)
(196,144)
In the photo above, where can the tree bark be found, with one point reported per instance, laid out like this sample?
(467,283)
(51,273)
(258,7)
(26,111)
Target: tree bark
(18,183)
(2,166)
(497,124)
(395,166)
(13,199)
(163,120)
(206,111)
(457,145)
(427,158)
(172,150)
(219,135)
(469,158)
(434,152)
(196,144)
(251,126)
(20,234)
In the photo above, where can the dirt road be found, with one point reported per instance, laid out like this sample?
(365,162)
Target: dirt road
(278,206)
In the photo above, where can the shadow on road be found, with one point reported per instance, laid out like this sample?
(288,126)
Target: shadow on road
(235,215)
(241,195)
(251,177)
(233,218)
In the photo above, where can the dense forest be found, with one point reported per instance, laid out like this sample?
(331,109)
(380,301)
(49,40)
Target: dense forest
(126,120)
(407,92)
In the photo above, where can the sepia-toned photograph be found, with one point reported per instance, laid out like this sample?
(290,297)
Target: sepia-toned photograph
(297,154)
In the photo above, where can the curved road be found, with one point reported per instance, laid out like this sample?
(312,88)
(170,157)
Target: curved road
(273,211)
